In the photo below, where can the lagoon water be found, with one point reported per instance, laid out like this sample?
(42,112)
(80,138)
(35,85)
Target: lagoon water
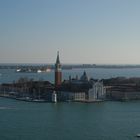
(9,75)
(66,121)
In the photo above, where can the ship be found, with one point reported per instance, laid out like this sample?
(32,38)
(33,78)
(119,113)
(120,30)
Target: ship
(29,70)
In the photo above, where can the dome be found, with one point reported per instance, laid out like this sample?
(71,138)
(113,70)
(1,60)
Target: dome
(84,77)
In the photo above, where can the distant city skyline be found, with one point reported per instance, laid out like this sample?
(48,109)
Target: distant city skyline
(83,31)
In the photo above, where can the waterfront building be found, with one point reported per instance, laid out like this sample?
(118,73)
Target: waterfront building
(70,96)
(97,92)
(82,89)
(123,92)
(58,72)
(79,96)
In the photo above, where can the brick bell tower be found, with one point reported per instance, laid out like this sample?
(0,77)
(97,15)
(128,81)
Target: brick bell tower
(58,72)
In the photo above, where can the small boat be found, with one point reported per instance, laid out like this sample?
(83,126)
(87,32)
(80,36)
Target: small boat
(18,70)
(43,70)
(138,135)
(38,100)
(48,70)
(39,71)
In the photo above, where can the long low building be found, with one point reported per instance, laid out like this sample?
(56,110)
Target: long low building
(123,92)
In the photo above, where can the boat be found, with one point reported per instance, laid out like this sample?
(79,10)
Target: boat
(32,70)
(24,99)
(138,135)
(26,70)
(48,70)
(39,71)
(38,100)
(43,70)
(18,70)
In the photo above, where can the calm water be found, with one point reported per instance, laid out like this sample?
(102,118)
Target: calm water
(66,121)
(8,75)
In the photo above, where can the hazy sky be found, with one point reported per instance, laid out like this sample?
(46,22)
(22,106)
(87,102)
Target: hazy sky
(84,31)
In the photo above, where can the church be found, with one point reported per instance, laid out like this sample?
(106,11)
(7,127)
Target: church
(77,89)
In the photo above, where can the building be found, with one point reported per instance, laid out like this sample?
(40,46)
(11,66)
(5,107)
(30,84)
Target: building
(82,89)
(79,96)
(97,92)
(58,72)
(123,92)
(70,96)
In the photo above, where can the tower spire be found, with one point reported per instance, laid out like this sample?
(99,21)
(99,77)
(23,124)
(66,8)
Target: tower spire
(57,59)
(58,73)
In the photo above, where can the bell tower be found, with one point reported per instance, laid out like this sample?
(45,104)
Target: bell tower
(58,72)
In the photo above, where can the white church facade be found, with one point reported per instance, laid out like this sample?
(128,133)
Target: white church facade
(97,92)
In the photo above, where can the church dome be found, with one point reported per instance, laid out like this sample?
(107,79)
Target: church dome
(84,77)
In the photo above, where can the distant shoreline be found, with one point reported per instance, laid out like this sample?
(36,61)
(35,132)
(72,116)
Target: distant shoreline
(65,66)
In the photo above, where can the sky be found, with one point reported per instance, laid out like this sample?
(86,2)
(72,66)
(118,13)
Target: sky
(83,31)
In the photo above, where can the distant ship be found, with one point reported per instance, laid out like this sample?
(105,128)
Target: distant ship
(25,70)
(44,70)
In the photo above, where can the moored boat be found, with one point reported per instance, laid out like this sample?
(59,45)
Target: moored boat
(138,135)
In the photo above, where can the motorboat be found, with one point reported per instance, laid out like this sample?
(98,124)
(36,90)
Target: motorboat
(138,135)
(18,70)
(38,100)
